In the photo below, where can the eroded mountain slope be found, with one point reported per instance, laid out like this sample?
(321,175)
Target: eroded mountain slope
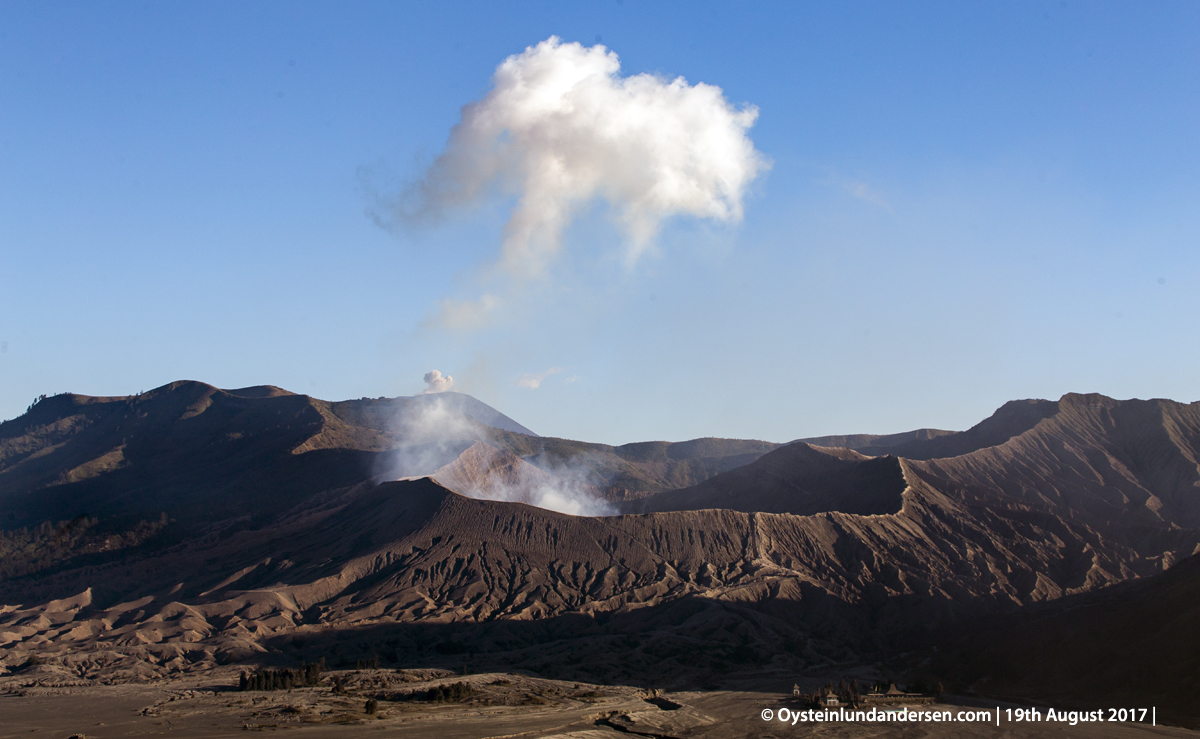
(799,479)
(1123,464)
(1096,493)
(1138,640)
(414,552)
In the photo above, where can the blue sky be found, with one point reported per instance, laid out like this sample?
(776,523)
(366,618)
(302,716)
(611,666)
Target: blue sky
(967,203)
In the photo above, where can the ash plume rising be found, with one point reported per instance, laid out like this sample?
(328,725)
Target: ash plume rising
(438,440)
(561,128)
(436,382)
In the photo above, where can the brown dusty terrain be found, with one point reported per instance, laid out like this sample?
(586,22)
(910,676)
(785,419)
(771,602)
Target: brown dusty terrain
(204,455)
(1096,648)
(283,546)
(501,705)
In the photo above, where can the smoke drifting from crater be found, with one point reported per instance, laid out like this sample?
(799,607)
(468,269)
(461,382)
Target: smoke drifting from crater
(566,486)
(436,439)
(561,128)
(436,382)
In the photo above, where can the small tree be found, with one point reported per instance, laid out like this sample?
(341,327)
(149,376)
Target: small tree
(36,400)
(312,672)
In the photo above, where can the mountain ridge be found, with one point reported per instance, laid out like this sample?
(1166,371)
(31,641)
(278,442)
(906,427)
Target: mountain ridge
(1097,493)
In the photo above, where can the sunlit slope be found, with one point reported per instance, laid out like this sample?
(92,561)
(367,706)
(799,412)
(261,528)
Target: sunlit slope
(86,480)
(1124,463)
(1096,493)
(1011,419)
(191,449)
(187,449)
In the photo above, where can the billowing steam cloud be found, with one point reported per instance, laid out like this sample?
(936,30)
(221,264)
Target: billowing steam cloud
(436,382)
(430,434)
(561,128)
(566,487)
(435,439)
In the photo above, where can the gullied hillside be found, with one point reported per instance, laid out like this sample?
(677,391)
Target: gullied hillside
(1096,492)
(799,479)
(205,457)
(1138,641)
(1127,463)
(186,449)
(804,556)
(1012,419)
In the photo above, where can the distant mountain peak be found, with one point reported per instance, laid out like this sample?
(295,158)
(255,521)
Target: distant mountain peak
(470,406)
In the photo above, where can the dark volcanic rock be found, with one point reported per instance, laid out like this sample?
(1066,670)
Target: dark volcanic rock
(799,479)
(804,556)
(1134,644)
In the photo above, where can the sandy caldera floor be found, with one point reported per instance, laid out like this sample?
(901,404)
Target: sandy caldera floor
(499,705)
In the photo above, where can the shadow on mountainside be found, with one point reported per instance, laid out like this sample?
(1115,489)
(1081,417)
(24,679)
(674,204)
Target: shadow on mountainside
(690,642)
(1136,644)
(799,479)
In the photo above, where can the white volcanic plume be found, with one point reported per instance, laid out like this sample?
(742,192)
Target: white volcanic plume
(442,442)
(561,128)
(436,382)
